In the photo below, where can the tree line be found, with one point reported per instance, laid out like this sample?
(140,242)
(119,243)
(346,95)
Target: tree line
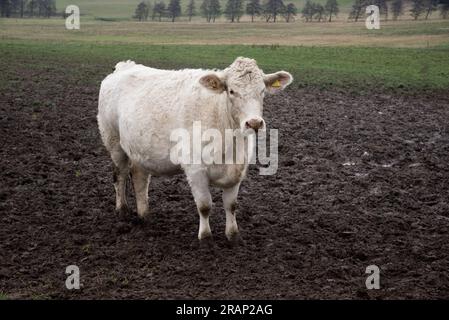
(27,8)
(395,8)
(270,10)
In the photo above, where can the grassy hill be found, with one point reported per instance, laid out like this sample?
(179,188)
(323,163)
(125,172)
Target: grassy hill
(124,9)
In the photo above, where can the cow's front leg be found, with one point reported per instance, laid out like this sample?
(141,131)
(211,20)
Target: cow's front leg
(199,183)
(230,206)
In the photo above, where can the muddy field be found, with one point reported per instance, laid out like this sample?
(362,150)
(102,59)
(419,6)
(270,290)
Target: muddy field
(362,180)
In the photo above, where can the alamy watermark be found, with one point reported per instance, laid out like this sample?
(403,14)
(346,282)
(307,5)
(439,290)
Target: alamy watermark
(73,280)
(373,19)
(209,147)
(373,280)
(72,21)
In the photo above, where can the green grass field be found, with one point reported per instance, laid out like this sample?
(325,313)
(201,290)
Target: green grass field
(326,67)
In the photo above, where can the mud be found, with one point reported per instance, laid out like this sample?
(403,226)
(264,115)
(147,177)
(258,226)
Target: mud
(362,180)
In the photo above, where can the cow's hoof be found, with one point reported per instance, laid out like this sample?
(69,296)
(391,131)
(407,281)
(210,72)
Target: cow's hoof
(141,219)
(124,213)
(208,244)
(235,240)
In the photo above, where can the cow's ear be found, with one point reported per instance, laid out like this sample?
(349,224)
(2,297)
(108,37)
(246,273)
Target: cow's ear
(278,81)
(213,82)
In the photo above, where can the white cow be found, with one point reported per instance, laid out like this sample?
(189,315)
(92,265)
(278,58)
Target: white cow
(139,107)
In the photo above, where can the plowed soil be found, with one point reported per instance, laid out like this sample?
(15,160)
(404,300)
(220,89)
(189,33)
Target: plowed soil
(362,180)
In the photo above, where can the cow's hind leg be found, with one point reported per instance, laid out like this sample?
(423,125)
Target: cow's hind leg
(199,183)
(141,180)
(120,175)
(230,206)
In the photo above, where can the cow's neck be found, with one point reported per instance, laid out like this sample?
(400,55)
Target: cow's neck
(228,120)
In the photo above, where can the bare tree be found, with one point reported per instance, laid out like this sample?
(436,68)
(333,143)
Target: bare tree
(431,5)
(307,11)
(174,9)
(417,9)
(383,8)
(211,9)
(331,9)
(444,10)
(142,11)
(357,10)
(253,9)
(290,12)
(32,5)
(396,8)
(190,10)
(234,10)
(159,10)
(272,9)
(318,9)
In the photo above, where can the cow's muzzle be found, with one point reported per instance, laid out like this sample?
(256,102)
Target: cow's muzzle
(255,124)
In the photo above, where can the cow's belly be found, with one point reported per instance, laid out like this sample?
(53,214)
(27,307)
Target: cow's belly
(151,152)
(161,168)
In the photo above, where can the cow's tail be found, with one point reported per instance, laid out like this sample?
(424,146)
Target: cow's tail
(124,65)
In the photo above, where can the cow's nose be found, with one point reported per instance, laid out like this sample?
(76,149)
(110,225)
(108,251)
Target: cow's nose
(254,124)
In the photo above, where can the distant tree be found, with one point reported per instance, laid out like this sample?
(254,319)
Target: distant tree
(272,9)
(290,12)
(430,5)
(14,7)
(331,9)
(159,10)
(19,8)
(47,8)
(190,10)
(253,9)
(358,8)
(22,5)
(5,8)
(174,9)
(396,8)
(211,9)
(32,5)
(383,8)
(417,9)
(216,9)
(318,10)
(444,10)
(307,11)
(206,10)
(234,10)
(142,11)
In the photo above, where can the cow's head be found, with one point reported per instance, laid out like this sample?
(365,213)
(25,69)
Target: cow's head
(246,85)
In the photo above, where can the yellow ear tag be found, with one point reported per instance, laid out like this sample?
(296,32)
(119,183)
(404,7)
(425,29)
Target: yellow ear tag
(276,84)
